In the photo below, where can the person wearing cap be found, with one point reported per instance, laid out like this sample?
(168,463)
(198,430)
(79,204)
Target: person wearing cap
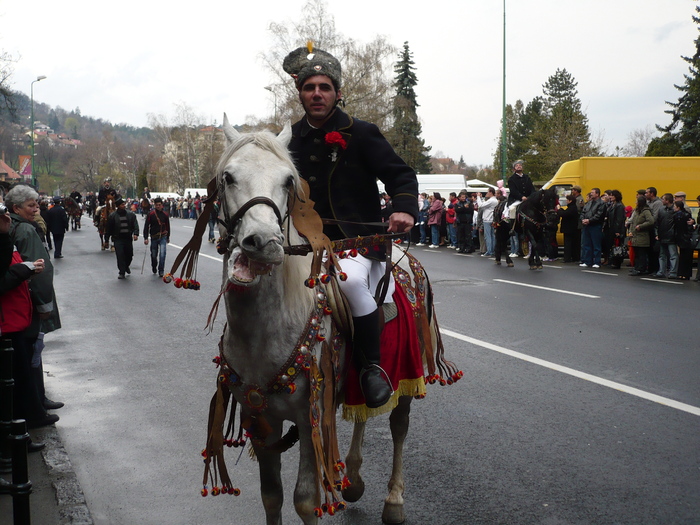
(341,158)
(105,190)
(520,187)
(57,223)
(123,228)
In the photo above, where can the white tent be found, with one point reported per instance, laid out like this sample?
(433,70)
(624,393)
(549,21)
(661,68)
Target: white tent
(447,183)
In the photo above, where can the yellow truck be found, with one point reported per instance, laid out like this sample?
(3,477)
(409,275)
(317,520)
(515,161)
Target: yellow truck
(629,174)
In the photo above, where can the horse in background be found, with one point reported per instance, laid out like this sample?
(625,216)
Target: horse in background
(534,217)
(102,213)
(74,212)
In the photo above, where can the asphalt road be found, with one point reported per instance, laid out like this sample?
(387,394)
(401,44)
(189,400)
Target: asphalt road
(579,402)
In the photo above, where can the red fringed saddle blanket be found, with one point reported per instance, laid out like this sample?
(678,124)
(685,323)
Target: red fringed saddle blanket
(411,348)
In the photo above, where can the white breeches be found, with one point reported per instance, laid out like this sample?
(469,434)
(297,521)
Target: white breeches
(363,277)
(511,209)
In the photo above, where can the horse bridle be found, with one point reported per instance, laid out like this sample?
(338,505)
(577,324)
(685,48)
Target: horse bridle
(232,222)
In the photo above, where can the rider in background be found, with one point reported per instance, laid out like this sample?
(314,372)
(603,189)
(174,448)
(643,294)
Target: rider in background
(341,158)
(520,186)
(106,190)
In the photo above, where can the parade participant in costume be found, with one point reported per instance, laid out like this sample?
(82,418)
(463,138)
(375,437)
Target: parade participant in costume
(121,226)
(157,226)
(341,158)
(57,223)
(106,190)
(145,202)
(520,186)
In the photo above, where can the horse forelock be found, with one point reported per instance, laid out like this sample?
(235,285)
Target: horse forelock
(295,269)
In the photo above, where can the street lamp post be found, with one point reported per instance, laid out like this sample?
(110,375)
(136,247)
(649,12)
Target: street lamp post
(272,90)
(31,126)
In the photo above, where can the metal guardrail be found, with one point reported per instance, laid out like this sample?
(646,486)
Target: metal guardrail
(14,439)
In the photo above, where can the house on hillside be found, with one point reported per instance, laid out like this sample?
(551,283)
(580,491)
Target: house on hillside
(7,174)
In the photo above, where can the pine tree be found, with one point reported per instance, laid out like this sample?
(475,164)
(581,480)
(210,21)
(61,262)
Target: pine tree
(682,135)
(405,134)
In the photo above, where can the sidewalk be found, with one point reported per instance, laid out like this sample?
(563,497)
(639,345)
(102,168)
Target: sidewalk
(56,498)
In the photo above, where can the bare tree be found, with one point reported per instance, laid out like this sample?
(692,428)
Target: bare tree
(366,82)
(638,141)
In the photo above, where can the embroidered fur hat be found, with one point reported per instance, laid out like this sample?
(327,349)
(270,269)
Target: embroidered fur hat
(305,62)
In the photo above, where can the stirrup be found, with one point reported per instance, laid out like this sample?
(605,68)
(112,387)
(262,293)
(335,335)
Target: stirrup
(387,381)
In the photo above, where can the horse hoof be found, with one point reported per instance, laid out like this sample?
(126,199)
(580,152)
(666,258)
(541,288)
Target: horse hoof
(354,492)
(533,267)
(510,265)
(498,263)
(539,267)
(393,513)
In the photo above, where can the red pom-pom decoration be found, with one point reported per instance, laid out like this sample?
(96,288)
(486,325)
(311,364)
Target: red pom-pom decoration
(353,252)
(178,282)
(291,388)
(204,453)
(204,492)
(235,491)
(343,276)
(167,278)
(215,491)
(318,512)
(310,282)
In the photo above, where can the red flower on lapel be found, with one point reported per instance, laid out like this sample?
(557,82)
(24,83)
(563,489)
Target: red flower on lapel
(335,139)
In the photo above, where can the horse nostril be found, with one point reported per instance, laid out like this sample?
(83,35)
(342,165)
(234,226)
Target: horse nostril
(252,242)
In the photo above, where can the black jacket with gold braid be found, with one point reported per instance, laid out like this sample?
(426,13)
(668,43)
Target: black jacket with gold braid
(343,181)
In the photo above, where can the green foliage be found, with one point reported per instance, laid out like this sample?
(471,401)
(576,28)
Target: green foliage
(684,129)
(550,130)
(665,146)
(405,134)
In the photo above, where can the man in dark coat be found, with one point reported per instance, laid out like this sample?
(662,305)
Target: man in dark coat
(122,225)
(57,223)
(520,187)
(341,158)
(106,190)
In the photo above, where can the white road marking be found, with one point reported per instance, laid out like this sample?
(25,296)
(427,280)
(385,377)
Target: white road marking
(665,281)
(576,373)
(548,289)
(600,273)
(219,259)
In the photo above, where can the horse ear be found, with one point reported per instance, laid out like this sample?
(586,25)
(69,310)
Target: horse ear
(229,131)
(285,135)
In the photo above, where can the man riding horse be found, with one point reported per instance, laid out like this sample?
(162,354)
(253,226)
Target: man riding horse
(341,158)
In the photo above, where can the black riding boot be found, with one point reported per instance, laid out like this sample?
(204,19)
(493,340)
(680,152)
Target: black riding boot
(373,380)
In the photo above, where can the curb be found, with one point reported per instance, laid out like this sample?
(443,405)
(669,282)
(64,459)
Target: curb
(72,507)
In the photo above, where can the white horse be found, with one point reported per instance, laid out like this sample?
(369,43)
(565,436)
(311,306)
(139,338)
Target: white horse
(273,319)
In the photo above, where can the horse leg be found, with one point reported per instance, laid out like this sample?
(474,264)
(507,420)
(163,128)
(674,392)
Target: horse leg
(353,462)
(533,249)
(306,492)
(398,421)
(269,464)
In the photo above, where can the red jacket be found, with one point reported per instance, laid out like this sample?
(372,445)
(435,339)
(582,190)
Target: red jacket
(15,303)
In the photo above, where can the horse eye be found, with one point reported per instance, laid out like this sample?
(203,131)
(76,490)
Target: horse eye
(289,183)
(228,177)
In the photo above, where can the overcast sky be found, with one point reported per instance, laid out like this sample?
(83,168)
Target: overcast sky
(120,61)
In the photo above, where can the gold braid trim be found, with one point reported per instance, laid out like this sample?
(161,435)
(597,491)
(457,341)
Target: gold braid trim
(407,387)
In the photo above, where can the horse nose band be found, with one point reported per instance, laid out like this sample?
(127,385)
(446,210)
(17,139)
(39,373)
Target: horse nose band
(231,223)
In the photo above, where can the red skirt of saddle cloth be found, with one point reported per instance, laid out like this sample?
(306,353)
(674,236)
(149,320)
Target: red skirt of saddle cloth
(401,358)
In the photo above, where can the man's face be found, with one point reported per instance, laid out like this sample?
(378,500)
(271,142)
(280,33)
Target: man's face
(318,97)
(159,206)
(594,195)
(518,168)
(648,195)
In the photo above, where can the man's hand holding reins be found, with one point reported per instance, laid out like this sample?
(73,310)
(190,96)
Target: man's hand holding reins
(400,222)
